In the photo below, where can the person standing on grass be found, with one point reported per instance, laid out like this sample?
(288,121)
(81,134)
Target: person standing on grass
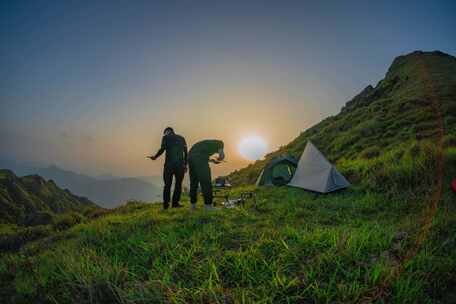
(200,172)
(175,165)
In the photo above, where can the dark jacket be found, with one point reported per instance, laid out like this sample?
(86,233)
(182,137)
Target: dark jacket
(176,150)
(205,148)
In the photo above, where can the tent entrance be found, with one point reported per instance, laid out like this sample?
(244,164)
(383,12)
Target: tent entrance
(278,172)
(282,173)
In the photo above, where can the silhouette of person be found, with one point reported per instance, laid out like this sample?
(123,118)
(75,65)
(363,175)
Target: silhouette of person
(200,172)
(175,165)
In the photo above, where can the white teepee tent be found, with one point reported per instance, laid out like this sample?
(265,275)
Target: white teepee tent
(316,173)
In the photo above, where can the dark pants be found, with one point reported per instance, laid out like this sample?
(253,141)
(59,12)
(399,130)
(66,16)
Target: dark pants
(200,173)
(178,171)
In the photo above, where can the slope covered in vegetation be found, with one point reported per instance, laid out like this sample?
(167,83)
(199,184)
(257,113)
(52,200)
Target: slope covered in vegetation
(399,111)
(30,198)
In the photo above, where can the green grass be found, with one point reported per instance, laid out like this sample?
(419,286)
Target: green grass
(294,247)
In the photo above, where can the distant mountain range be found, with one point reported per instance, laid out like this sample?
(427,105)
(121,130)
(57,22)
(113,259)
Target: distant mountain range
(22,198)
(107,191)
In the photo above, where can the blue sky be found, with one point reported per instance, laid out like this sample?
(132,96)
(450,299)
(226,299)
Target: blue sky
(89,85)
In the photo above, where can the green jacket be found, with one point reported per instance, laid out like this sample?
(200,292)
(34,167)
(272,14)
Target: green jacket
(204,149)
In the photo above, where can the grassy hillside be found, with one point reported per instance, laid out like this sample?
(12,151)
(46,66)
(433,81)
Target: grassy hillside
(31,198)
(398,111)
(295,247)
(389,238)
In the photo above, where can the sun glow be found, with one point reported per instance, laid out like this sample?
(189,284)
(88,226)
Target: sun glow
(252,147)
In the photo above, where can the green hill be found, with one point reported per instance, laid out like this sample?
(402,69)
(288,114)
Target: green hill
(30,198)
(399,111)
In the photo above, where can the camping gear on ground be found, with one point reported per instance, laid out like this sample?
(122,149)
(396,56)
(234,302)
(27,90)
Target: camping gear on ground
(278,171)
(222,181)
(231,203)
(453,185)
(220,193)
(248,195)
(222,190)
(316,173)
(240,201)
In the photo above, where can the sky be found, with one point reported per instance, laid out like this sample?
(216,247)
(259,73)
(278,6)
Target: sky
(90,85)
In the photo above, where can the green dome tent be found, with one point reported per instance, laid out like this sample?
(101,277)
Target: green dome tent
(316,173)
(277,172)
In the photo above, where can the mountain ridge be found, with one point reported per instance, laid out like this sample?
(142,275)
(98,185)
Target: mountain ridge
(23,197)
(107,192)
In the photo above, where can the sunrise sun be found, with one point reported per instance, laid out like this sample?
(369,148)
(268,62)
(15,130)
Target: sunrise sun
(252,147)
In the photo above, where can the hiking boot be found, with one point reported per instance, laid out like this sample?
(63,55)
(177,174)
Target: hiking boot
(177,205)
(165,206)
(210,208)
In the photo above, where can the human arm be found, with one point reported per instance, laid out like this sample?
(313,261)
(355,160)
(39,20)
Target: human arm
(160,151)
(185,153)
(220,157)
(221,154)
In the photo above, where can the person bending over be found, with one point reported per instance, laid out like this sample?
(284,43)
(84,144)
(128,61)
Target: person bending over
(200,172)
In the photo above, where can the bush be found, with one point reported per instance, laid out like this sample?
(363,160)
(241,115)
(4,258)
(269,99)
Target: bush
(414,150)
(449,121)
(353,170)
(407,170)
(37,218)
(370,153)
(94,213)
(449,141)
(15,240)
(130,206)
(414,172)
(67,220)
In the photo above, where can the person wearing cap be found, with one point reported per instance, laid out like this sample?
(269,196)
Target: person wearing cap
(199,170)
(175,165)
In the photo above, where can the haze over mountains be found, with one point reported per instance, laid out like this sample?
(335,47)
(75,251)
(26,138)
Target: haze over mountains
(107,191)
